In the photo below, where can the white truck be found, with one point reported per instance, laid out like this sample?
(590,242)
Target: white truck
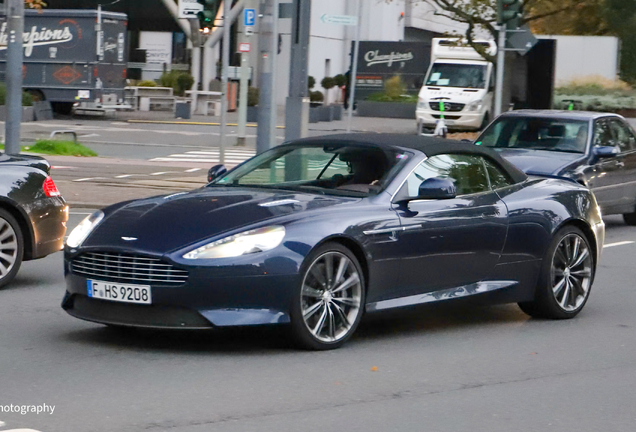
(461,79)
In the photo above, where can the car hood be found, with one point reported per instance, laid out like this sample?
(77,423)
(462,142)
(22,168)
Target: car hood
(539,162)
(166,224)
(25,160)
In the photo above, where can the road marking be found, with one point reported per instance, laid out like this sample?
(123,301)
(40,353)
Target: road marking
(623,243)
(89,178)
(233,156)
(163,172)
(191,170)
(62,167)
(89,136)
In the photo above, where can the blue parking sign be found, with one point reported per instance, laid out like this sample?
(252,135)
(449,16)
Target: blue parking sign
(250,17)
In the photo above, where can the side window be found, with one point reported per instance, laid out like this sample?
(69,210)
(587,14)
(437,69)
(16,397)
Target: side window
(468,173)
(622,135)
(603,134)
(498,179)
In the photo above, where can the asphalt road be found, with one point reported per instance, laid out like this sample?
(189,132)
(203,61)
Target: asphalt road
(443,368)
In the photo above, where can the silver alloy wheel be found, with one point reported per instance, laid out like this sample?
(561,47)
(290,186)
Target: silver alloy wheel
(571,273)
(331,296)
(8,248)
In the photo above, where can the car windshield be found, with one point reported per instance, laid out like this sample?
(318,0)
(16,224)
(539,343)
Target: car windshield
(535,133)
(348,170)
(457,75)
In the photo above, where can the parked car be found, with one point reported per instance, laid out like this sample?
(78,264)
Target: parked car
(33,214)
(593,149)
(317,232)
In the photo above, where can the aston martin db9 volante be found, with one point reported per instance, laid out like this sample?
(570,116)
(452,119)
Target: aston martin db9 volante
(594,149)
(33,214)
(317,232)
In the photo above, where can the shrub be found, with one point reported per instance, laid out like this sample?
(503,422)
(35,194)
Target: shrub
(316,96)
(328,83)
(146,83)
(253,95)
(341,80)
(311,82)
(27,99)
(595,85)
(184,82)
(394,87)
(168,79)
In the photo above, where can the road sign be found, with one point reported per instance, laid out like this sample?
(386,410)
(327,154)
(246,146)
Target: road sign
(250,17)
(189,8)
(347,20)
(244,47)
(521,40)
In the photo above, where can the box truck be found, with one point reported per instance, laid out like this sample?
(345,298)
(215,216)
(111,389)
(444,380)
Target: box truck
(67,59)
(460,79)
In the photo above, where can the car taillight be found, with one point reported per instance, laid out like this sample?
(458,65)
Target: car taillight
(50,190)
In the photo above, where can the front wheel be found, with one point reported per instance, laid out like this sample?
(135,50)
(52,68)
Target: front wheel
(566,277)
(11,247)
(630,218)
(328,305)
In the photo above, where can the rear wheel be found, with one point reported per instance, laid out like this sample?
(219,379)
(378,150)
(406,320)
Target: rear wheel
(566,277)
(328,305)
(11,247)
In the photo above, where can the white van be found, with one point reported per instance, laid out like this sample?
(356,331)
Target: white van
(461,79)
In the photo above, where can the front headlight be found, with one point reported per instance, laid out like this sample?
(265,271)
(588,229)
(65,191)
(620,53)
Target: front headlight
(81,232)
(476,105)
(248,242)
(421,103)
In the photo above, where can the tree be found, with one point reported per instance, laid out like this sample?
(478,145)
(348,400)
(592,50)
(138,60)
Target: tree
(480,16)
(621,19)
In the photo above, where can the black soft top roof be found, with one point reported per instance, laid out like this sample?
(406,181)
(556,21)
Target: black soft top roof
(430,146)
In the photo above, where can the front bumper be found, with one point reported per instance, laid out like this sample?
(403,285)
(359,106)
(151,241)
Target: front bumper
(204,301)
(454,120)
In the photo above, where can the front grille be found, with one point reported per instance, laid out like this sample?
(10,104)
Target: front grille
(127,268)
(448,106)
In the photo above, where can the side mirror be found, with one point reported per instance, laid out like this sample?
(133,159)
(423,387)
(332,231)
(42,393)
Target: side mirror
(604,151)
(216,171)
(437,188)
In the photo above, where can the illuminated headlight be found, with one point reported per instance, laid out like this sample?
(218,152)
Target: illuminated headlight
(82,231)
(421,103)
(248,242)
(476,105)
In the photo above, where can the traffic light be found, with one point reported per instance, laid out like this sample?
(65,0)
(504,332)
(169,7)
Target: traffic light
(208,14)
(509,12)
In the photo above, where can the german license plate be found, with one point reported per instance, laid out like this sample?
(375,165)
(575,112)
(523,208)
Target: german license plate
(140,294)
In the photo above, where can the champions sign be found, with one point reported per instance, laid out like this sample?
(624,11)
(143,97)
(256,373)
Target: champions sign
(37,36)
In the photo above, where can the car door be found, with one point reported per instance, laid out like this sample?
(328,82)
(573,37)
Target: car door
(607,173)
(624,137)
(454,242)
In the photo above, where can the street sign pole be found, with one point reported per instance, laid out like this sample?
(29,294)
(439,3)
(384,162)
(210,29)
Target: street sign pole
(249,20)
(297,106)
(15,57)
(227,25)
(501,68)
(354,68)
(267,51)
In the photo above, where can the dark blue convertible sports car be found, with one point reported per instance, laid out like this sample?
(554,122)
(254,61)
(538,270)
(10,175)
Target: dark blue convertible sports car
(317,232)
(594,149)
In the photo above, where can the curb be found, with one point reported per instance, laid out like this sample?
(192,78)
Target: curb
(176,122)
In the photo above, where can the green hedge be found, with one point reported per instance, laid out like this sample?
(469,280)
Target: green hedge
(599,103)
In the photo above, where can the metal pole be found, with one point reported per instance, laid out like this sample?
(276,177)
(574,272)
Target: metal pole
(501,68)
(354,68)
(15,57)
(268,47)
(227,24)
(297,106)
(242,113)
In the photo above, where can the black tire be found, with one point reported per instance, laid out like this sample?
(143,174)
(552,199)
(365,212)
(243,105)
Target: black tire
(630,218)
(64,108)
(577,279)
(9,227)
(301,332)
